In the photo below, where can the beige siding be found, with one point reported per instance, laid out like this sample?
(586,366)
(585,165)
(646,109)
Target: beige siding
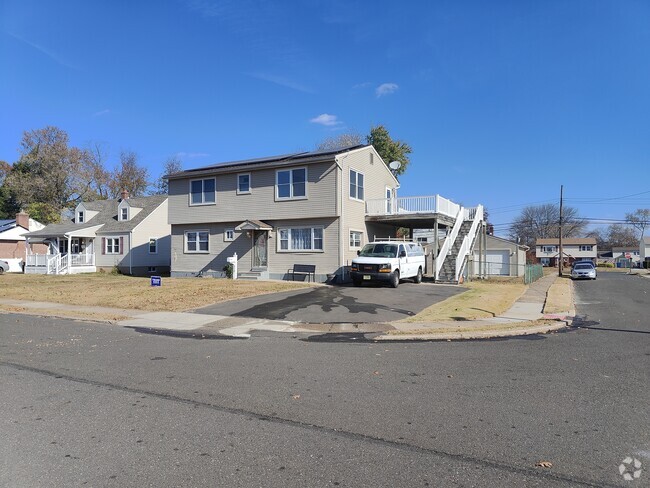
(110,260)
(376,178)
(156,226)
(260,204)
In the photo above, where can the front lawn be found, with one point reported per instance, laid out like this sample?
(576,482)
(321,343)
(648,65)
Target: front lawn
(107,290)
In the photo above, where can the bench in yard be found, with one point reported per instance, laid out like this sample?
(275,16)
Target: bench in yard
(304,269)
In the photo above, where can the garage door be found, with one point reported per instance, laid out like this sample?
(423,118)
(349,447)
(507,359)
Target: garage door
(498,263)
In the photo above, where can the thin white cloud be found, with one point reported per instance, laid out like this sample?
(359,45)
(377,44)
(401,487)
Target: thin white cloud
(191,155)
(278,80)
(106,111)
(45,51)
(327,120)
(386,89)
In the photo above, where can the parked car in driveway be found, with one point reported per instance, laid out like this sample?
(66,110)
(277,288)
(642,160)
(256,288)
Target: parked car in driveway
(583,270)
(4,266)
(388,261)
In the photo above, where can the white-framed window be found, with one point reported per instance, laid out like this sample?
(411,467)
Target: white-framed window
(153,245)
(112,245)
(197,241)
(75,247)
(549,249)
(203,192)
(300,239)
(356,238)
(291,184)
(124,213)
(356,185)
(243,183)
(586,248)
(229,235)
(80,217)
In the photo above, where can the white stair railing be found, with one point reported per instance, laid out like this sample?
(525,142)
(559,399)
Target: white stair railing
(63,264)
(476,215)
(53,264)
(449,241)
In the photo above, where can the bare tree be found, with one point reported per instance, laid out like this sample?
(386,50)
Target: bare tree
(614,235)
(129,176)
(340,141)
(639,219)
(543,222)
(171,166)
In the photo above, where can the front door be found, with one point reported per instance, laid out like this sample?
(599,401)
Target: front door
(260,248)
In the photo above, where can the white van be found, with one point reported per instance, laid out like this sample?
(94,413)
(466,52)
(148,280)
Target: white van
(388,261)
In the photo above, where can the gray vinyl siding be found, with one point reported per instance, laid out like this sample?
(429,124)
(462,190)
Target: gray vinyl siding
(279,262)
(377,177)
(110,260)
(260,203)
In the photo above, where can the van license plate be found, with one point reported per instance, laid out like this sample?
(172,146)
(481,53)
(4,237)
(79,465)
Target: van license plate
(366,277)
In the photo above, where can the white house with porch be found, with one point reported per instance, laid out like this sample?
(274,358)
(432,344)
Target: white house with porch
(130,234)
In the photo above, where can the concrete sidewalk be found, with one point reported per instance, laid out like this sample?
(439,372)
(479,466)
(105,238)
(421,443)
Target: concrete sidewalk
(521,319)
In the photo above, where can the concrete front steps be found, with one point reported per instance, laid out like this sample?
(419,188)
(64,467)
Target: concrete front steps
(254,274)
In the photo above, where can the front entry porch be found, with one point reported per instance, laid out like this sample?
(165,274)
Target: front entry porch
(66,255)
(259,235)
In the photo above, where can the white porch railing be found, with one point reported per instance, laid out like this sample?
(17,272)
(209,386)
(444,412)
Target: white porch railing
(82,260)
(476,215)
(57,263)
(412,205)
(36,260)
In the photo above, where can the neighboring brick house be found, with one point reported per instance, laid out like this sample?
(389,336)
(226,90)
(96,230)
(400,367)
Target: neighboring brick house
(573,249)
(12,240)
(130,234)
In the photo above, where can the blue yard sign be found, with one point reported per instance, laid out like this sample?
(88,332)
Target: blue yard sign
(156,281)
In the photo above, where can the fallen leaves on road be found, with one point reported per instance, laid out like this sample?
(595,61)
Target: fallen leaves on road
(543,464)
(295,397)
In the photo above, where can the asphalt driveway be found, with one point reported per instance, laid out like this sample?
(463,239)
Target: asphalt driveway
(338,304)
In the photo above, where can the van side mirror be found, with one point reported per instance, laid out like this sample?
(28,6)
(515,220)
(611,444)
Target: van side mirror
(358,253)
(402,254)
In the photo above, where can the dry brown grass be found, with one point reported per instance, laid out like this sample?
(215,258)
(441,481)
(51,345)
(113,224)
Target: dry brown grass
(117,291)
(559,297)
(483,299)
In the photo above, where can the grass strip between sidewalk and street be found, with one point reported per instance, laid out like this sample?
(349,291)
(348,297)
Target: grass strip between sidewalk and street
(559,298)
(482,299)
(127,292)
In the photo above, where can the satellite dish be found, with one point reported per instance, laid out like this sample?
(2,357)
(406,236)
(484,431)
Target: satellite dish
(394,165)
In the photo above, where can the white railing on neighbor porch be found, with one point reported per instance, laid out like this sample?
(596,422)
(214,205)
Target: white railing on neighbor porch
(82,260)
(476,216)
(58,263)
(36,260)
(412,205)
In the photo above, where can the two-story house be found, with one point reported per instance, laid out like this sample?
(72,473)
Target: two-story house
(573,249)
(130,234)
(305,208)
(315,208)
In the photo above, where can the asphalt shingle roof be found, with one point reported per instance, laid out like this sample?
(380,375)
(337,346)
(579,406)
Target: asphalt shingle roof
(106,217)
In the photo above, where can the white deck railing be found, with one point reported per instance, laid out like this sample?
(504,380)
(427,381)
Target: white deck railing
(36,260)
(58,263)
(412,205)
(476,215)
(82,260)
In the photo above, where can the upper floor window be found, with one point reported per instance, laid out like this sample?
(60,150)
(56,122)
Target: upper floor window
(203,192)
(356,185)
(197,241)
(80,217)
(291,183)
(243,183)
(586,248)
(153,245)
(548,249)
(124,213)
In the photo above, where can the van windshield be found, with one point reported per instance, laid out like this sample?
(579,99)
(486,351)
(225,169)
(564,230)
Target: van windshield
(379,251)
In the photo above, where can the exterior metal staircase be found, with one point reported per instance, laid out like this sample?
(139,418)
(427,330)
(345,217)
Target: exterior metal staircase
(458,246)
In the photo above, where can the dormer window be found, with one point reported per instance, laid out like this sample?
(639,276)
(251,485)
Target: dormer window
(80,217)
(124,213)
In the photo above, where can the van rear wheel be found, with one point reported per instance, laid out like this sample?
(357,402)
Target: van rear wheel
(418,278)
(394,279)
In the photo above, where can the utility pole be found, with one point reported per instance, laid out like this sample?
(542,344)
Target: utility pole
(561,253)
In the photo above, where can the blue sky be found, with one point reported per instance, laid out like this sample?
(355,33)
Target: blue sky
(501,101)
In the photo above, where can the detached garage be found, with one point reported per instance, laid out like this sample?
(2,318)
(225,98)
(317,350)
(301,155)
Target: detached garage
(502,257)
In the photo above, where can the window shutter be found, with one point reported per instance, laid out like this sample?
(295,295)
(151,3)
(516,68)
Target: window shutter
(103,245)
(121,244)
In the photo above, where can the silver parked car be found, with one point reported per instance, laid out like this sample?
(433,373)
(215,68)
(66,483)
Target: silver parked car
(4,266)
(583,270)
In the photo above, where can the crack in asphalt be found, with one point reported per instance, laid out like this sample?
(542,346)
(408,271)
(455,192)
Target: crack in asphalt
(319,428)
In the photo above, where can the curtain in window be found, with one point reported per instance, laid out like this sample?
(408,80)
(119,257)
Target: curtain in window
(301,239)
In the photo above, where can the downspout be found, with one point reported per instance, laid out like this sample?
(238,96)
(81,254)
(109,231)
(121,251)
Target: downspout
(339,212)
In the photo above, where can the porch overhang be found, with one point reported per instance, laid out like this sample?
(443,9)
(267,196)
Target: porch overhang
(253,225)
(87,232)
(416,221)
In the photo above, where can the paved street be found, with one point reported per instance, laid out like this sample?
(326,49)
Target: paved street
(99,405)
